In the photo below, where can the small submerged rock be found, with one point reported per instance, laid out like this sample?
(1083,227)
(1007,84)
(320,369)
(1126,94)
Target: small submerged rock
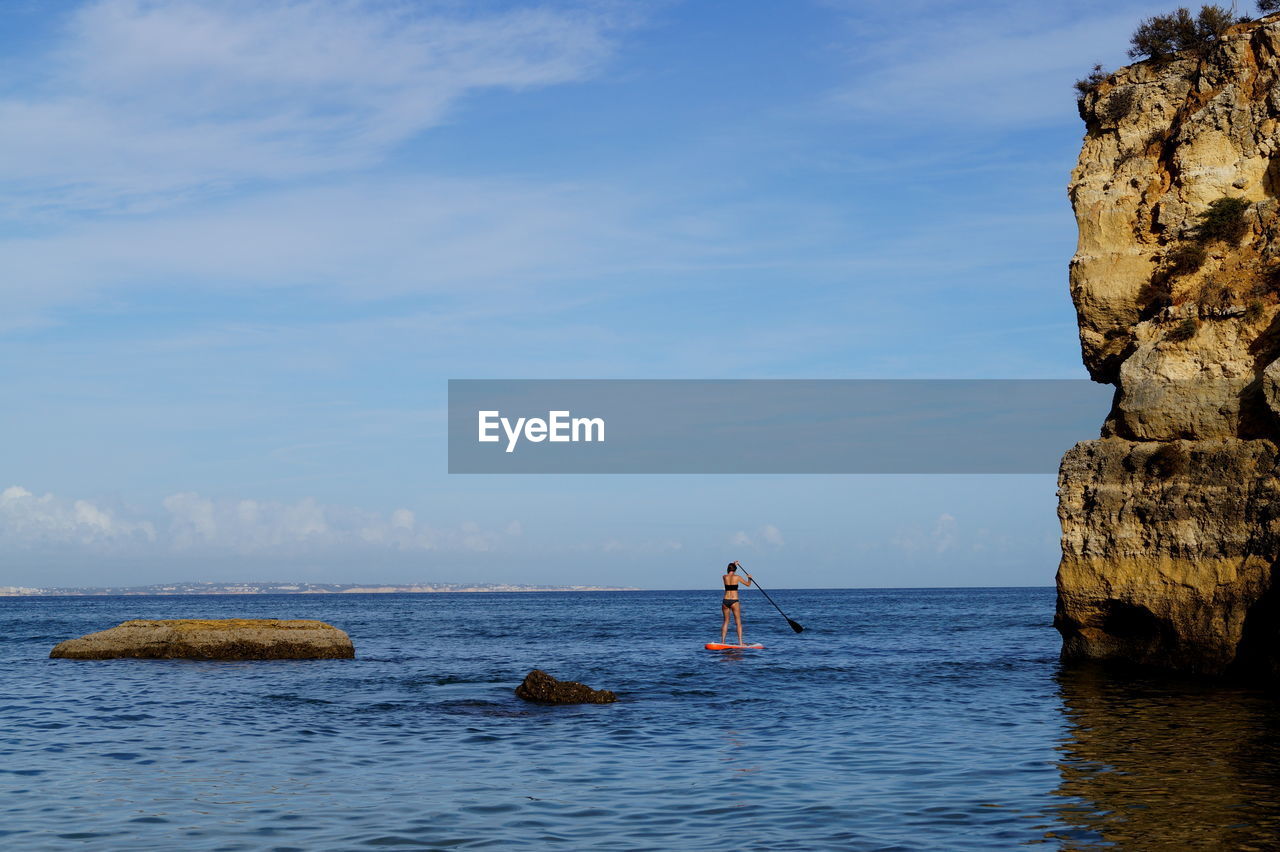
(212,639)
(543,688)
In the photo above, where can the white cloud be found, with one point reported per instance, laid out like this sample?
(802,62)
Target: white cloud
(28,520)
(771,535)
(238,136)
(943,536)
(244,525)
(627,547)
(141,102)
(251,527)
(944,533)
(192,523)
(767,536)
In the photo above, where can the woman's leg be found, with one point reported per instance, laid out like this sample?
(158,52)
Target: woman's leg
(737,617)
(724,627)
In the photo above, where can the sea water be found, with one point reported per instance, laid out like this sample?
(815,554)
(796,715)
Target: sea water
(900,719)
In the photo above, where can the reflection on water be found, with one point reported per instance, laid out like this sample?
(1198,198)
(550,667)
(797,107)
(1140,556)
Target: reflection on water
(1155,764)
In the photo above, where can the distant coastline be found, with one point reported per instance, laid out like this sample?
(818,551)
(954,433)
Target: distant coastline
(163,589)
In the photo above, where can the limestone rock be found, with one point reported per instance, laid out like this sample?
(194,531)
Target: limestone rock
(1170,522)
(1162,142)
(1206,387)
(542,688)
(212,639)
(1271,387)
(1167,554)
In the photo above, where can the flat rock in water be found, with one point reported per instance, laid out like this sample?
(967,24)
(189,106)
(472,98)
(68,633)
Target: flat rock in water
(543,688)
(212,639)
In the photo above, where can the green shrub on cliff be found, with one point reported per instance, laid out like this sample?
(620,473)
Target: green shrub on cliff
(1224,221)
(1163,37)
(1118,106)
(1214,297)
(1156,294)
(1266,7)
(1184,330)
(1267,282)
(1089,83)
(1213,21)
(1185,258)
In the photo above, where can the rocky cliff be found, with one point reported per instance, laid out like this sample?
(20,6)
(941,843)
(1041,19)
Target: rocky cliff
(1171,520)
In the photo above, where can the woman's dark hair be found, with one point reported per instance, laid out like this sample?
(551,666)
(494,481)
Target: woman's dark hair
(733,566)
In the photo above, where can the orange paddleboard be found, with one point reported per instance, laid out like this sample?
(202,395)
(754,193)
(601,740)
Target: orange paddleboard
(718,646)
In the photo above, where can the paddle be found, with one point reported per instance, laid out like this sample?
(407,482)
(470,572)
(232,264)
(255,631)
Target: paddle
(796,627)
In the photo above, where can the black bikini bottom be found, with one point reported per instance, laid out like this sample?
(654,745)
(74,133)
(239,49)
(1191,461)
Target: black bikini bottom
(728,603)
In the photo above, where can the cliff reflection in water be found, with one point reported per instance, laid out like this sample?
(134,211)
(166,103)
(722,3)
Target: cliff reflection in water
(1159,765)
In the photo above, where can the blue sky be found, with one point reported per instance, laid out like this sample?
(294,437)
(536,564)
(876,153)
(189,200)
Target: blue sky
(247,244)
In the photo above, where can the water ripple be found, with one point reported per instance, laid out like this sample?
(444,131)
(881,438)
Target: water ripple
(900,720)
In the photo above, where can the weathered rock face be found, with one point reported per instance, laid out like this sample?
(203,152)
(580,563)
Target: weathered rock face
(542,688)
(1171,522)
(1168,551)
(212,639)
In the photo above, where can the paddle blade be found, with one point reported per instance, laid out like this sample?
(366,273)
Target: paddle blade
(796,627)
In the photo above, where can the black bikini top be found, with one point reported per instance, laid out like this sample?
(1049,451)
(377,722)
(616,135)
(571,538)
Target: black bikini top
(732,588)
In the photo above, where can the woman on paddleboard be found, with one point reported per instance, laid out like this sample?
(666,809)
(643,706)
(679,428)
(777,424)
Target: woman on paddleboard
(730,602)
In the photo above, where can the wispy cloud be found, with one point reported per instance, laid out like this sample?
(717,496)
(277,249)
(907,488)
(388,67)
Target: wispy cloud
(366,238)
(996,66)
(142,102)
(254,527)
(946,538)
(766,537)
(191,523)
